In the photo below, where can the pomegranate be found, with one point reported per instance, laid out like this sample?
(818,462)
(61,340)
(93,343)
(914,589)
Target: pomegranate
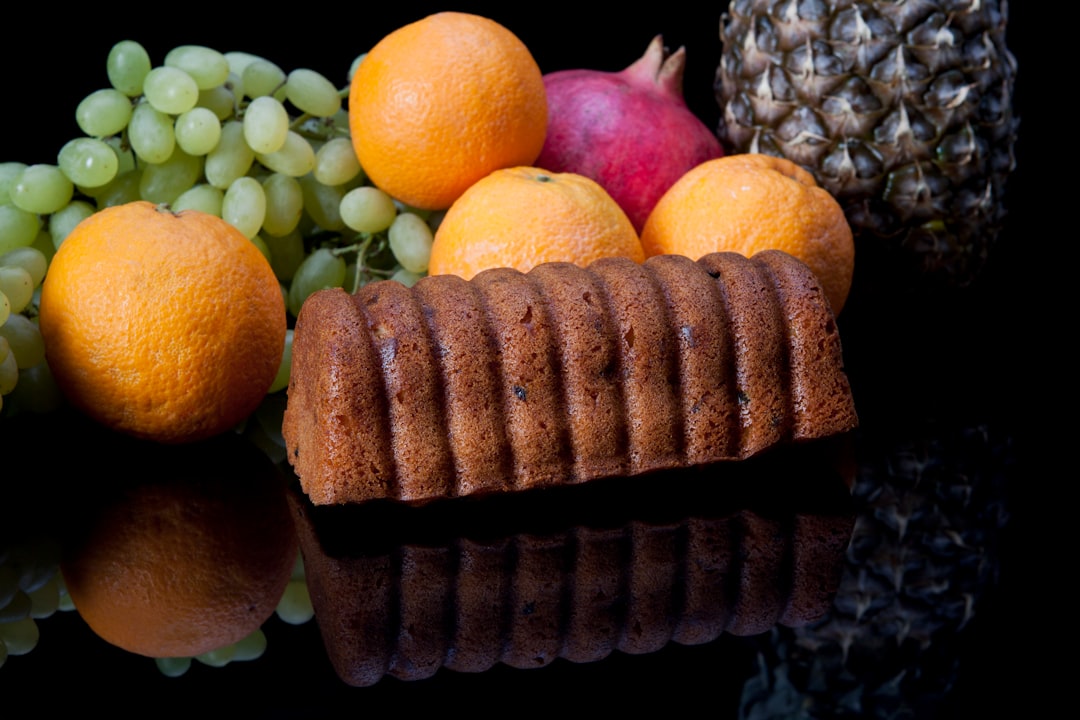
(630,131)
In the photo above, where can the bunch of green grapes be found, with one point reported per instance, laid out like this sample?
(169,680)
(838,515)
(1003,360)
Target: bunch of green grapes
(31,589)
(227,133)
(25,380)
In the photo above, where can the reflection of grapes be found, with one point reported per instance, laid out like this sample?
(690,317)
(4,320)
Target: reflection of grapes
(230,134)
(31,589)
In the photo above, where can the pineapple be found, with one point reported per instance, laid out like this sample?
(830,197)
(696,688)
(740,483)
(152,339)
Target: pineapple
(902,109)
(932,506)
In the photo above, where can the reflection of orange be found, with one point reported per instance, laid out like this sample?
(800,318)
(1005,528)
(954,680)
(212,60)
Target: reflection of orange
(520,217)
(749,202)
(187,551)
(169,326)
(440,103)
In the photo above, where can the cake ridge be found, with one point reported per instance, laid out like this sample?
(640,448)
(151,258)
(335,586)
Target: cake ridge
(535,464)
(459,330)
(597,432)
(419,444)
(751,308)
(392,482)
(706,361)
(647,365)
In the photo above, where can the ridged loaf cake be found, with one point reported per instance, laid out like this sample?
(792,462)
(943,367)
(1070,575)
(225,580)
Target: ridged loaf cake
(560,375)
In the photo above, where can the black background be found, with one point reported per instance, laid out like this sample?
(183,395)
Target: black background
(50,63)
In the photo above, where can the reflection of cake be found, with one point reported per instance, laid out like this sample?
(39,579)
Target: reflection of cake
(562,375)
(575,573)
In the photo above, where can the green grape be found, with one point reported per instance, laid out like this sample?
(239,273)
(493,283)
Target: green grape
(312,93)
(263,248)
(251,647)
(410,241)
(64,220)
(261,77)
(37,391)
(41,189)
(286,254)
(124,189)
(206,66)
(173,667)
(66,603)
(244,205)
(20,636)
(9,579)
(218,658)
(123,151)
(323,203)
(103,112)
(17,286)
(8,171)
(281,380)
(220,100)
(296,157)
(18,608)
(367,209)
(45,599)
(239,60)
(9,366)
(266,124)
(164,182)
(18,227)
(25,340)
(321,269)
(203,197)
(197,131)
(88,162)
(43,243)
(231,159)
(151,134)
(355,64)
(170,90)
(336,163)
(284,204)
(405,277)
(5,311)
(298,571)
(127,66)
(30,259)
(295,605)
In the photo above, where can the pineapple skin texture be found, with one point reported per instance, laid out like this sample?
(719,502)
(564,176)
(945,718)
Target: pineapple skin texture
(902,110)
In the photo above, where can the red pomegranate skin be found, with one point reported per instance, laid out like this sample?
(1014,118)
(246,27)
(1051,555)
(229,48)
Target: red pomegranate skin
(631,131)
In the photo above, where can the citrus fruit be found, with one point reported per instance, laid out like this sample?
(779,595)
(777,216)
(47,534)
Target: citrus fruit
(189,548)
(440,103)
(167,326)
(751,202)
(523,216)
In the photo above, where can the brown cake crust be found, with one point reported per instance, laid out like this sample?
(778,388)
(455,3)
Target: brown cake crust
(558,376)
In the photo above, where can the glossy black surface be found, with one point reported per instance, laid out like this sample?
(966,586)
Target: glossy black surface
(963,358)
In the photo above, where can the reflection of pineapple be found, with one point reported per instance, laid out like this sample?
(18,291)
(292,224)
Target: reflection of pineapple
(923,553)
(903,110)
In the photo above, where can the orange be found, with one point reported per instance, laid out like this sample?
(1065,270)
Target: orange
(167,326)
(750,202)
(523,216)
(440,103)
(188,549)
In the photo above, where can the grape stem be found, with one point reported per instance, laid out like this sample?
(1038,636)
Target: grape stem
(361,249)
